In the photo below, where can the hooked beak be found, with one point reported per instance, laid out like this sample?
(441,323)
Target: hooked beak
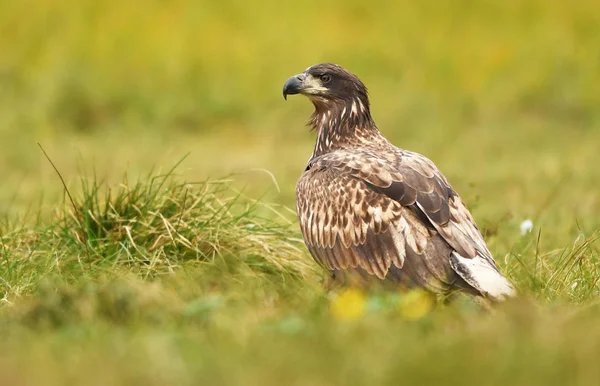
(293,85)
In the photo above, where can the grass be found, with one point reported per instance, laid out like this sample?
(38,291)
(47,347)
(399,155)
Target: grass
(152,228)
(162,271)
(197,280)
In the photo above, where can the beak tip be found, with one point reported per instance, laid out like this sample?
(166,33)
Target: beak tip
(293,85)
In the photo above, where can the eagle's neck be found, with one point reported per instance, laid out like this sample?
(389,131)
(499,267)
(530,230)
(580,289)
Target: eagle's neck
(342,124)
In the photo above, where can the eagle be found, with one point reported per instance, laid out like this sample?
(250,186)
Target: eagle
(373,214)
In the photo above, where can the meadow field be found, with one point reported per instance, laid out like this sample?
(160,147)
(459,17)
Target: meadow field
(173,256)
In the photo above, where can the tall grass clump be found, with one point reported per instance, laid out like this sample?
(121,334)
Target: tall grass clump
(153,227)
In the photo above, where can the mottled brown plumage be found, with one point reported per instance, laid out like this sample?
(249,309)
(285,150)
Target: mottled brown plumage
(372,213)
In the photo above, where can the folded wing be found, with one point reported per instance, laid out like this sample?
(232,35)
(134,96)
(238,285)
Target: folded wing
(394,217)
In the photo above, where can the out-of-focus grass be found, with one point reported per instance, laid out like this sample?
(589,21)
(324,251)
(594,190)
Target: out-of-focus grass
(158,282)
(511,84)
(151,285)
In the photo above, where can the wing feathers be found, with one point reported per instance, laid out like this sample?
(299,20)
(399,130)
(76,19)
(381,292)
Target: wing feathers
(398,240)
(397,221)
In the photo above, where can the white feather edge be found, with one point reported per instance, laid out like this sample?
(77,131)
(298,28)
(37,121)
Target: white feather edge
(481,275)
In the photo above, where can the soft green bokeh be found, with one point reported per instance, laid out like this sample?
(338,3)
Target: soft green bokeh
(503,96)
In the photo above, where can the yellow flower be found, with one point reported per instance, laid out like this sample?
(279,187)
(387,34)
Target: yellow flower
(349,304)
(416,304)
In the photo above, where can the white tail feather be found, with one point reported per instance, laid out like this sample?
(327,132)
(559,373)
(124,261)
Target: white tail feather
(482,276)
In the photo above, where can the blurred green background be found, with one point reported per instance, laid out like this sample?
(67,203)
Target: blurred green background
(503,96)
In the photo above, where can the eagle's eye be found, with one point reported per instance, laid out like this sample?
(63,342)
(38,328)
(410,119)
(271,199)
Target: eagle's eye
(325,78)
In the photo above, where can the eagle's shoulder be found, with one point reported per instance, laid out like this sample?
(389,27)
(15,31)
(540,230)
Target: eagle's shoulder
(407,178)
(393,178)
(348,224)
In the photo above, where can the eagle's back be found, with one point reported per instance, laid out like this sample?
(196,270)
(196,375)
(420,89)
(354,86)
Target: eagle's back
(384,216)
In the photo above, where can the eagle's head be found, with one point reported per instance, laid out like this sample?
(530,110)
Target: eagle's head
(327,83)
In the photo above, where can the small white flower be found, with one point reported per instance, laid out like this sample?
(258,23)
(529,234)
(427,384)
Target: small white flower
(526,227)
(574,285)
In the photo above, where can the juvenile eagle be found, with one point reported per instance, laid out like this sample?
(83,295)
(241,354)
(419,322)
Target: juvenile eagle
(373,213)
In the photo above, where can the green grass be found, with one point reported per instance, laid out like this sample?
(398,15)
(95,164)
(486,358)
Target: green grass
(174,269)
(164,282)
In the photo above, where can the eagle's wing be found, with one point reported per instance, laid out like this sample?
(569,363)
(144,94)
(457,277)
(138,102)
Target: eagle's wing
(362,210)
(471,258)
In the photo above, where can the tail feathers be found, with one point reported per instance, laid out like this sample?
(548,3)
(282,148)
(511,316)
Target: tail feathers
(482,276)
